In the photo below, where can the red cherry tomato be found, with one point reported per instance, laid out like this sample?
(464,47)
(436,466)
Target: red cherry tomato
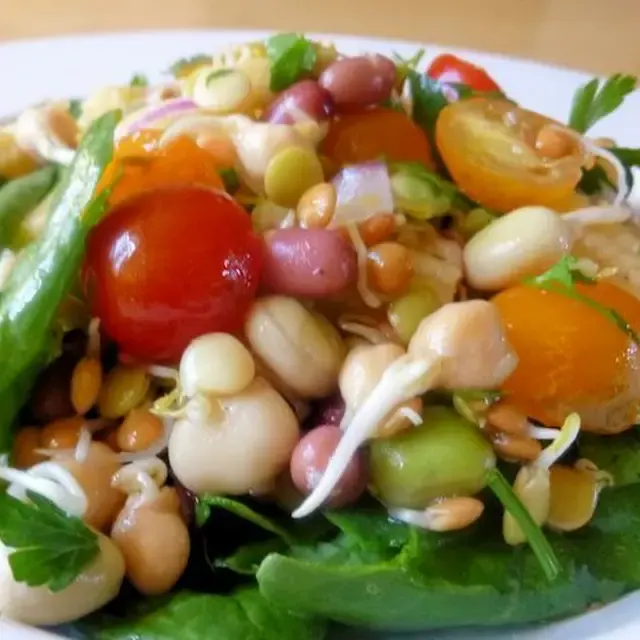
(170,264)
(450,69)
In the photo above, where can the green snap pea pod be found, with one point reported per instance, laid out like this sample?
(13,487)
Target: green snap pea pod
(19,197)
(47,269)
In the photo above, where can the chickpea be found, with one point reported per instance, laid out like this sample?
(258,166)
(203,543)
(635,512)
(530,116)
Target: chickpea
(25,443)
(139,431)
(389,267)
(316,206)
(216,363)
(154,541)
(470,339)
(310,459)
(62,434)
(98,584)
(301,348)
(94,475)
(361,372)
(241,449)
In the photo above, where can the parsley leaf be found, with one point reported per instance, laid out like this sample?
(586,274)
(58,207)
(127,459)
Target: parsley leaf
(184,66)
(139,80)
(50,548)
(405,65)
(429,100)
(562,278)
(75,108)
(594,101)
(291,56)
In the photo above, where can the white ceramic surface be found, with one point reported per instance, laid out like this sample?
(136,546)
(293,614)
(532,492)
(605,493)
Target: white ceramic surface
(34,70)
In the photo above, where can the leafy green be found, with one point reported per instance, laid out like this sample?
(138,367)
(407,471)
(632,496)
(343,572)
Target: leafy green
(619,455)
(291,56)
(139,80)
(47,269)
(429,100)
(244,614)
(75,108)
(532,532)
(562,278)
(207,502)
(231,180)
(460,579)
(596,100)
(419,192)
(19,197)
(184,66)
(49,548)
(405,65)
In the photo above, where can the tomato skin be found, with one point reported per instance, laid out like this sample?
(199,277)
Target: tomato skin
(450,69)
(171,264)
(375,133)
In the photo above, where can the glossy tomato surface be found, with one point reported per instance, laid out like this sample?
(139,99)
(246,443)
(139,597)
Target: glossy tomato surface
(450,69)
(169,265)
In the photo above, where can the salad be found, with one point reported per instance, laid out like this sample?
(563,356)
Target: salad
(297,338)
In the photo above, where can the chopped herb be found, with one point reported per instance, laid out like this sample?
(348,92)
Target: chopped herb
(629,158)
(75,108)
(405,65)
(184,66)
(595,181)
(49,548)
(533,533)
(429,100)
(562,278)
(139,80)
(230,178)
(596,100)
(291,56)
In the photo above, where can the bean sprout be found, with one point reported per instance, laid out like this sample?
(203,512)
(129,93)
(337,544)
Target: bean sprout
(369,298)
(141,480)
(50,480)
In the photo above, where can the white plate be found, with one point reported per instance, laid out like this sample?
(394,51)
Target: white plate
(34,70)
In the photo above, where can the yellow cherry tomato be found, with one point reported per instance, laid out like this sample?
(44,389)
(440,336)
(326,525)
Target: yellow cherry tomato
(505,157)
(572,357)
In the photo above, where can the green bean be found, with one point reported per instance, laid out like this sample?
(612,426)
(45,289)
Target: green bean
(445,456)
(47,269)
(19,197)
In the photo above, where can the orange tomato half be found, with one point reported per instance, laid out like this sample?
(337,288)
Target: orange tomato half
(139,164)
(376,134)
(572,357)
(489,147)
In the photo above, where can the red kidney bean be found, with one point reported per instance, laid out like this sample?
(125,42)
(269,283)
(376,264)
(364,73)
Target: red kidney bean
(330,411)
(305,99)
(312,263)
(51,396)
(311,457)
(360,81)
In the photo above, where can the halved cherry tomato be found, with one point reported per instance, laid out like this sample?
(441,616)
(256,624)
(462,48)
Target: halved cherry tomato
(376,134)
(170,264)
(450,69)
(489,147)
(139,164)
(572,357)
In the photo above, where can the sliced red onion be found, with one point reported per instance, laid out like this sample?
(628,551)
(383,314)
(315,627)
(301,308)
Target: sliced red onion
(154,114)
(362,190)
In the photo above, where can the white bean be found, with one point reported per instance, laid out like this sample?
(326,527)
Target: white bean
(525,242)
(98,584)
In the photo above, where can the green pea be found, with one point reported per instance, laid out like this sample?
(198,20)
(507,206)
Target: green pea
(445,456)
(407,312)
(290,173)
